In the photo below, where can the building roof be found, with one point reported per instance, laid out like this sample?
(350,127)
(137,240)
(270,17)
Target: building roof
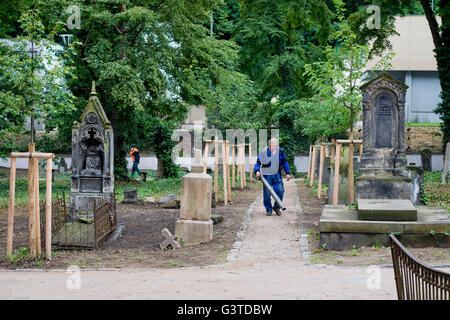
(413,48)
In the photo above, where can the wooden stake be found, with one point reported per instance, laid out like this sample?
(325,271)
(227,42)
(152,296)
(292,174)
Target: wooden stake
(225,180)
(31,204)
(241,166)
(48,211)
(322,158)
(36,207)
(227,156)
(336,174)
(216,168)
(12,190)
(309,163)
(351,182)
(233,165)
(250,163)
(360,151)
(205,157)
(332,151)
(313,167)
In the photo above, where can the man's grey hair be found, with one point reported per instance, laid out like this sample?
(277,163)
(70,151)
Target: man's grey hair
(273,140)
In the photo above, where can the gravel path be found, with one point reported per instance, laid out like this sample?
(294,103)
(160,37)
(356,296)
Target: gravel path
(271,262)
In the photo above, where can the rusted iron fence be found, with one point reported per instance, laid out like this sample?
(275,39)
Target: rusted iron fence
(415,280)
(89,229)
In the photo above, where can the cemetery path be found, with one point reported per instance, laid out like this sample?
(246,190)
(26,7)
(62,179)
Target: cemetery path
(272,263)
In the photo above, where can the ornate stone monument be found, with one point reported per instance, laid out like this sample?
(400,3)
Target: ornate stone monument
(383,170)
(387,189)
(92,158)
(195,225)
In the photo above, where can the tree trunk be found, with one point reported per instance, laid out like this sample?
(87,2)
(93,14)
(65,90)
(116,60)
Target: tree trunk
(160,169)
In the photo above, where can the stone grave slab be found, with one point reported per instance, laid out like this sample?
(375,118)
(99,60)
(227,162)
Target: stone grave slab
(386,210)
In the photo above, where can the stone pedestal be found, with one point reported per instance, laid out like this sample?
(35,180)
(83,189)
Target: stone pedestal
(195,225)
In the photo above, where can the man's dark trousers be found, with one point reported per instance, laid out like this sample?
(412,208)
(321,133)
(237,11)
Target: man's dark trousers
(276,182)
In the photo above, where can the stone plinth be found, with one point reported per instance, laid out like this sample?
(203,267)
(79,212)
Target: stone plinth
(386,210)
(341,229)
(195,225)
(196,197)
(192,232)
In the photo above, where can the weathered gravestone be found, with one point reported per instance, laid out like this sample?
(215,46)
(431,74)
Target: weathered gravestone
(92,159)
(195,225)
(383,172)
(425,157)
(445,171)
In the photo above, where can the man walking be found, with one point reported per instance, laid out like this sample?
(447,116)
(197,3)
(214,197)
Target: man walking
(270,161)
(134,153)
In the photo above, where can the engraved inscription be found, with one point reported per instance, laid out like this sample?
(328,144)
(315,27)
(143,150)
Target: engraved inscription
(384,120)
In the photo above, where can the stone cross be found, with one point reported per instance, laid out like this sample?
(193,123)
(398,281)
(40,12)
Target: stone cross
(170,239)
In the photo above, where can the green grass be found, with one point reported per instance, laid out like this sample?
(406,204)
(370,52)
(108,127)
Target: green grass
(153,187)
(416,124)
(434,193)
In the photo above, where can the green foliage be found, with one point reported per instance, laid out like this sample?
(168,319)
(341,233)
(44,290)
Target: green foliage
(335,81)
(32,85)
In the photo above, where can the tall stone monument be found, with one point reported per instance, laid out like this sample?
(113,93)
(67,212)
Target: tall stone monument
(195,225)
(383,172)
(92,158)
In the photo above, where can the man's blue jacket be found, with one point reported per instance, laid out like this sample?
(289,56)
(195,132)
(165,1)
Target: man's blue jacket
(264,162)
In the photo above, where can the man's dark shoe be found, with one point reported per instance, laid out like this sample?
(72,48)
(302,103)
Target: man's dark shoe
(277,211)
(268,213)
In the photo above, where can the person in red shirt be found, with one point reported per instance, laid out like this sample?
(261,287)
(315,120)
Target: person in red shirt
(134,153)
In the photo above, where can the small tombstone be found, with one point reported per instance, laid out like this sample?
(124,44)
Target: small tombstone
(130,195)
(426,159)
(170,240)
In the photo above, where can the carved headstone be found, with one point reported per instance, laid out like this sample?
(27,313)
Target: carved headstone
(383,172)
(384,127)
(92,157)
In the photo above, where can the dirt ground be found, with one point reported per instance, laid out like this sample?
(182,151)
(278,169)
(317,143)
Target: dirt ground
(139,245)
(376,255)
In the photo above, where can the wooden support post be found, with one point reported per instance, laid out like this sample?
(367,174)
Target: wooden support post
(351,181)
(333,146)
(31,204)
(322,159)
(205,157)
(48,211)
(241,165)
(227,156)
(308,175)
(336,174)
(216,167)
(225,180)
(12,188)
(37,218)
(313,166)
(233,165)
(250,163)
(238,167)
(360,151)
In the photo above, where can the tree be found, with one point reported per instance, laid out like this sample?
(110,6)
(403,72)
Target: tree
(149,59)
(32,84)
(441,39)
(357,16)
